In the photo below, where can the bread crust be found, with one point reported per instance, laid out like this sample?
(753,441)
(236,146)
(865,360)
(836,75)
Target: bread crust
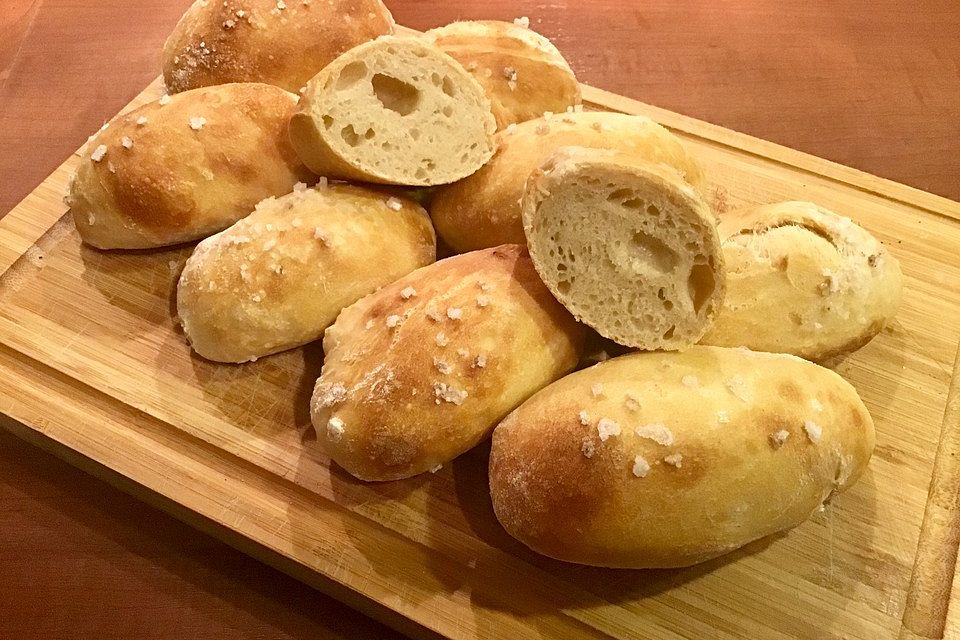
(523,73)
(803,280)
(733,446)
(184,167)
(627,246)
(483,210)
(428,123)
(422,370)
(257,41)
(279,277)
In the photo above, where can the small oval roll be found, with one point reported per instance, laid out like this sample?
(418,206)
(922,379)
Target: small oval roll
(279,277)
(803,280)
(523,73)
(184,167)
(394,111)
(656,460)
(627,246)
(484,209)
(422,370)
(280,43)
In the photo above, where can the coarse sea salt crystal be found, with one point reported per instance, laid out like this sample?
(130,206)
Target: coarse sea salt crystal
(522,21)
(690,381)
(675,459)
(584,418)
(814,431)
(393,321)
(197,122)
(596,390)
(778,438)
(442,339)
(483,301)
(816,405)
(394,204)
(723,417)
(98,153)
(408,292)
(640,467)
(606,428)
(164,100)
(126,142)
(455,313)
(335,428)
(481,361)
(442,366)
(657,432)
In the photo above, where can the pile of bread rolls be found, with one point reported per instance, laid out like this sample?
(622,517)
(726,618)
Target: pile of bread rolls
(714,429)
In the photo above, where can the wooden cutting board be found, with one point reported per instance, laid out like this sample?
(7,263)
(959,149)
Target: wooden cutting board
(93,368)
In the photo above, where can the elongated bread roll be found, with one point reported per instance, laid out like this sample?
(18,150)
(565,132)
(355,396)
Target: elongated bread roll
(184,167)
(394,111)
(627,246)
(523,73)
(279,277)
(484,209)
(670,459)
(803,280)
(422,370)
(280,43)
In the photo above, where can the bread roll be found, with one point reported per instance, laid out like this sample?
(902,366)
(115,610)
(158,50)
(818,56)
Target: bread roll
(279,277)
(280,43)
(422,370)
(522,72)
(484,209)
(394,111)
(184,167)
(627,246)
(669,459)
(803,280)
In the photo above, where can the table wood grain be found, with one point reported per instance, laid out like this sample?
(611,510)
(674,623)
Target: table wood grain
(877,88)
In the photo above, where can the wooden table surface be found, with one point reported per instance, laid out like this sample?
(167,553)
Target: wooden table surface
(876,88)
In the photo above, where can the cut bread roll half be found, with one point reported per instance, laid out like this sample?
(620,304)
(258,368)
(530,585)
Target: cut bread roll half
(394,111)
(522,72)
(627,246)
(803,280)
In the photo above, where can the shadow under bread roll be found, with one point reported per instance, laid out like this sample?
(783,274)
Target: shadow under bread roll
(184,167)
(658,460)
(276,279)
(803,280)
(421,371)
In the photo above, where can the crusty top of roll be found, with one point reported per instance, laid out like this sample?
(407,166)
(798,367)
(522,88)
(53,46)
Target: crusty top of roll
(185,166)
(803,280)
(523,73)
(483,209)
(272,41)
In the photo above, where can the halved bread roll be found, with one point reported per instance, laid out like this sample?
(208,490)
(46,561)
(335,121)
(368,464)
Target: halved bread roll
(280,43)
(803,280)
(483,210)
(627,246)
(523,73)
(394,111)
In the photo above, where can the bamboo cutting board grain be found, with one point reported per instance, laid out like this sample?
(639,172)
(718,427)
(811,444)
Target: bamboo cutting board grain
(92,367)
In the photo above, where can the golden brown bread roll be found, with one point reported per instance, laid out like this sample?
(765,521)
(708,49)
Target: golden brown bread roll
(279,277)
(669,459)
(803,280)
(184,167)
(522,72)
(627,246)
(422,370)
(483,210)
(394,111)
(280,43)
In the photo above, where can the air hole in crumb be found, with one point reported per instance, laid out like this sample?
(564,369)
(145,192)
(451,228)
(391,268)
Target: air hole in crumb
(620,194)
(633,203)
(654,250)
(415,134)
(662,294)
(369,134)
(563,286)
(692,246)
(700,285)
(448,111)
(436,79)
(421,173)
(352,74)
(669,333)
(327,121)
(561,267)
(449,88)
(653,210)
(350,136)
(395,95)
